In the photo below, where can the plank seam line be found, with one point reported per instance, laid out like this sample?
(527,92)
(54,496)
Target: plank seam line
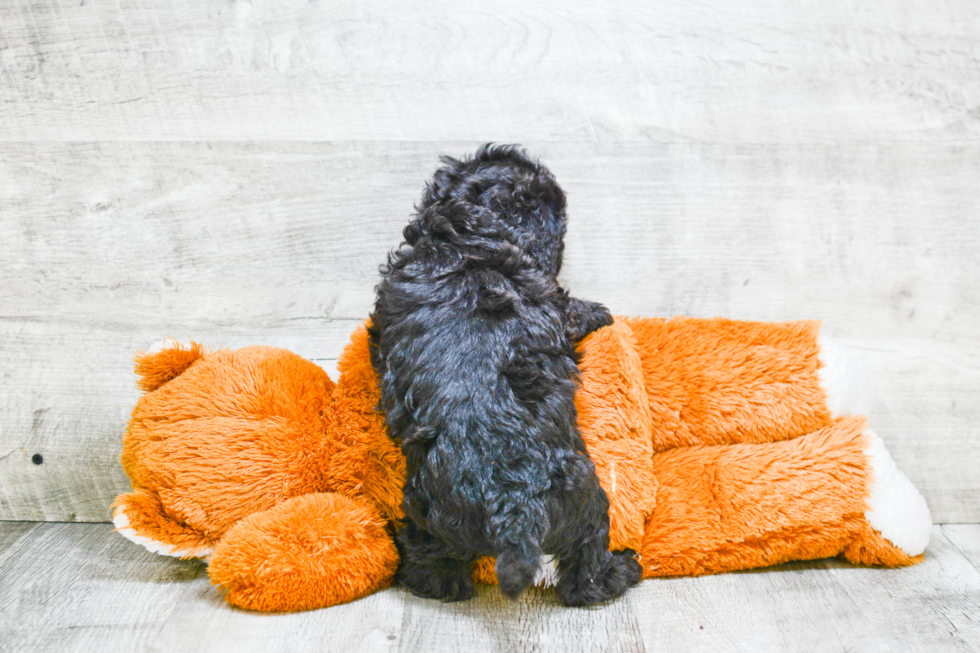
(952,542)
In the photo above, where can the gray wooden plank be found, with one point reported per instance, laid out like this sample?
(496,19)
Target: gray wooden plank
(924,390)
(396,620)
(10,532)
(812,70)
(536,621)
(114,246)
(202,621)
(329,366)
(163,231)
(825,605)
(81,587)
(299,229)
(966,538)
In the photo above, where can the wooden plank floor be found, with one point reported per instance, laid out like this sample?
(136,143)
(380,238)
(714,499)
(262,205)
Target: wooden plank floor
(81,587)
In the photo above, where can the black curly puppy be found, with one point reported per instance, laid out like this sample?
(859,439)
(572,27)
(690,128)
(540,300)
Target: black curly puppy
(473,341)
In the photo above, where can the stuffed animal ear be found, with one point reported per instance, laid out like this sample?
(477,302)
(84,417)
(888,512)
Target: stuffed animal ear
(157,367)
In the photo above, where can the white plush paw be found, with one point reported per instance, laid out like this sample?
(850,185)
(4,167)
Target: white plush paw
(844,379)
(121,521)
(895,507)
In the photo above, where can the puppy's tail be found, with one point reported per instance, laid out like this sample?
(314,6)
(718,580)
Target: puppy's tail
(517,569)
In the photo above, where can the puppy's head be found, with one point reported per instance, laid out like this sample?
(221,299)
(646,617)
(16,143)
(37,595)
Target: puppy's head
(512,189)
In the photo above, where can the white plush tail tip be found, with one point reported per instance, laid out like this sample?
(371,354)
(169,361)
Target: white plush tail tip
(895,507)
(844,379)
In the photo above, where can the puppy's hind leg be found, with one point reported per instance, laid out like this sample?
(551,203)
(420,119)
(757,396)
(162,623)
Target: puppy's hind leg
(428,571)
(594,574)
(588,572)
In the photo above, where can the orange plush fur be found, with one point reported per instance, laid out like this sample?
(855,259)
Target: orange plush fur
(713,440)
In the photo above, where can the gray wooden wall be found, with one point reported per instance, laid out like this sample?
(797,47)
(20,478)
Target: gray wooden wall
(235,173)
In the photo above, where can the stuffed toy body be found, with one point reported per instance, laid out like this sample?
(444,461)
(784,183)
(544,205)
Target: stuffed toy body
(721,445)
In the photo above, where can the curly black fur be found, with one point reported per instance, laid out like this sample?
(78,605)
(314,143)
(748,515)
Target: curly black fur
(474,344)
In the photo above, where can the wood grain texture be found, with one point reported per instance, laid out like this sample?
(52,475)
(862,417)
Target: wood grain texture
(769,71)
(825,605)
(81,587)
(202,621)
(67,392)
(874,237)
(10,532)
(537,621)
(966,538)
(114,246)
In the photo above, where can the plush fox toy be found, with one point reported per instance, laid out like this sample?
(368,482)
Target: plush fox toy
(722,445)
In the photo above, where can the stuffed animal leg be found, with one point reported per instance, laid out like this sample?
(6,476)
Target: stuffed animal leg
(307,552)
(755,464)
(831,492)
(718,381)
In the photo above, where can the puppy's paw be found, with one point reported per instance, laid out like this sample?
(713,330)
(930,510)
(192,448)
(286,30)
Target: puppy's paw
(585,317)
(627,567)
(621,572)
(599,316)
(455,588)
(445,580)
